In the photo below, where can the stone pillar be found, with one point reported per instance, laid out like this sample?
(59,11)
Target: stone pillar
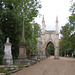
(56,53)
(56,24)
(56,41)
(22,50)
(44,52)
(8,55)
(57,47)
(43,25)
(22,58)
(22,45)
(43,49)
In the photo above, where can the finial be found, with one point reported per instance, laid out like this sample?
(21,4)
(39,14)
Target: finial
(43,18)
(7,41)
(43,25)
(56,18)
(56,24)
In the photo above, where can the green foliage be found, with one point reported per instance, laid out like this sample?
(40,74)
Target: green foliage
(12,13)
(74,53)
(1,46)
(72,39)
(72,25)
(10,25)
(33,34)
(65,35)
(50,49)
(65,31)
(37,30)
(19,65)
(67,41)
(3,71)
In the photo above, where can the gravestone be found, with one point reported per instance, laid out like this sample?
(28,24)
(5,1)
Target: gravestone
(7,60)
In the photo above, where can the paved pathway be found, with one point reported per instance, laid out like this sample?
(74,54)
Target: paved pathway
(50,66)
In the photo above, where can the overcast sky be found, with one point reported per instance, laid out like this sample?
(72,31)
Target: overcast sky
(52,8)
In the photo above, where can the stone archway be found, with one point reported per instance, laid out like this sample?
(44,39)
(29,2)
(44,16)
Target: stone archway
(49,36)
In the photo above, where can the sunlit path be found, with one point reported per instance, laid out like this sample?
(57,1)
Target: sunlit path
(50,66)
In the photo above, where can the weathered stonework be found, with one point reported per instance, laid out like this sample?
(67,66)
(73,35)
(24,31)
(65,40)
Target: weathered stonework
(22,58)
(8,55)
(47,37)
(22,50)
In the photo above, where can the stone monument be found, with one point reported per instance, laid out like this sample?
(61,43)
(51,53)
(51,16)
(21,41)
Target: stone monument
(47,37)
(22,45)
(22,58)
(7,60)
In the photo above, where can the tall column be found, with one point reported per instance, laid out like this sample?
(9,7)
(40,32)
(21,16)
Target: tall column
(22,45)
(56,24)
(57,41)
(43,25)
(57,47)
(43,37)
(56,53)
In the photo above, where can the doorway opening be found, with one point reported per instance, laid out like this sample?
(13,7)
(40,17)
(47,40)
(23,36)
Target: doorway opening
(50,49)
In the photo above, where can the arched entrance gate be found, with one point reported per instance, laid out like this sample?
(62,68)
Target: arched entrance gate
(47,37)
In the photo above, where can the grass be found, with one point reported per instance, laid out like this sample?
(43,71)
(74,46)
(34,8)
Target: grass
(3,71)
(19,65)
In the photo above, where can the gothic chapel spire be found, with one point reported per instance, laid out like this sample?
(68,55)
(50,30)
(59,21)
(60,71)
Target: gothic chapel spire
(43,25)
(43,18)
(56,24)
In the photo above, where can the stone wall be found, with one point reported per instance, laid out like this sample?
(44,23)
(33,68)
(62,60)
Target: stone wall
(49,36)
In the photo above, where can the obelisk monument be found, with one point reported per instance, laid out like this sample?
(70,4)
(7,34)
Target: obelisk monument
(22,45)
(22,58)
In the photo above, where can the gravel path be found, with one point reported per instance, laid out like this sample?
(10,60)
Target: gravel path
(50,66)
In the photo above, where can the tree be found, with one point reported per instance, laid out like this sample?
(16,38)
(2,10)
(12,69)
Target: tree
(66,39)
(10,25)
(72,23)
(1,46)
(50,49)
(33,35)
(11,16)
(67,42)
(65,35)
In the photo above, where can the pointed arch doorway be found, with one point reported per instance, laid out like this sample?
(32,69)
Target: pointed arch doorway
(49,49)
